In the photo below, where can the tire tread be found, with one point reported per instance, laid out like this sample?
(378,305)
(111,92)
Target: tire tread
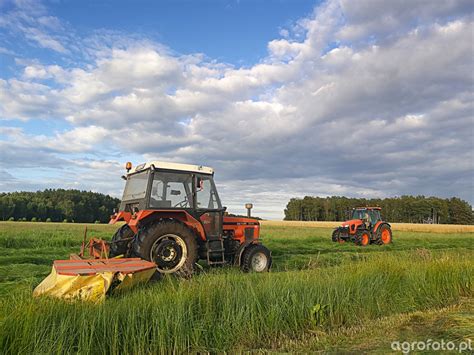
(149,233)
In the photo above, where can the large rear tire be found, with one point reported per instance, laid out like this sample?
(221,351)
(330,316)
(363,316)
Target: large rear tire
(121,241)
(256,258)
(170,245)
(384,235)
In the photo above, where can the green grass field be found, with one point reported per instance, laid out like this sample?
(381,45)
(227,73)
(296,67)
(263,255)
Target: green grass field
(319,296)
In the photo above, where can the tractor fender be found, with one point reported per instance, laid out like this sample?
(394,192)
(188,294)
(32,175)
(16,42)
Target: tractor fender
(145,216)
(120,216)
(241,249)
(379,224)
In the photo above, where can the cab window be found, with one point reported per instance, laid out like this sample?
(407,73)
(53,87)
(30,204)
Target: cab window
(136,186)
(374,216)
(206,193)
(171,190)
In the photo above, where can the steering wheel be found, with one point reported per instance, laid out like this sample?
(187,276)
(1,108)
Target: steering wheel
(182,203)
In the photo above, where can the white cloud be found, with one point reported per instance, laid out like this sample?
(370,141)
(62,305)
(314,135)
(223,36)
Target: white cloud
(362,99)
(30,20)
(43,39)
(395,18)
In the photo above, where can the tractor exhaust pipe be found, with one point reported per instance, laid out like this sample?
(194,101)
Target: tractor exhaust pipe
(249,207)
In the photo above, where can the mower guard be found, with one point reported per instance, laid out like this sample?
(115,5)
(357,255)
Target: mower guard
(91,279)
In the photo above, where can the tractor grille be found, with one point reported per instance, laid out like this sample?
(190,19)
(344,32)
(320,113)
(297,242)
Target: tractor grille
(249,233)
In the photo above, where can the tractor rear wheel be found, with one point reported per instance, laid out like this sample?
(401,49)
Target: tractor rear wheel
(120,243)
(256,258)
(384,235)
(362,238)
(170,245)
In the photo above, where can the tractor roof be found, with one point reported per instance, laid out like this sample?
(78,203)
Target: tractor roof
(174,166)
(368,208)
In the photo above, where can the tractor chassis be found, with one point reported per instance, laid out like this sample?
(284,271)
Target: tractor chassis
(343,235)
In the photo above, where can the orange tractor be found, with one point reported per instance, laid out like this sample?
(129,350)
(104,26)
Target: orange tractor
(364,228)
(174,218)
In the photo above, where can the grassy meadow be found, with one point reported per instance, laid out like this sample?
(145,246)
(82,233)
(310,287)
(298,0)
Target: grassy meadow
(319,296)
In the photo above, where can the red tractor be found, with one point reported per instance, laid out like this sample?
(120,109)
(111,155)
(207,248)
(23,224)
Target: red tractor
(365,227)
(174,217)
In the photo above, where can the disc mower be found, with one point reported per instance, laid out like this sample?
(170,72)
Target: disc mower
(365,227)
(173,217)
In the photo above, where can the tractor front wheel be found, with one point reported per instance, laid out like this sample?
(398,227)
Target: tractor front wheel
(256,258)
(120,243)
(336,237)
(170,245)
(362,238)
(384,235)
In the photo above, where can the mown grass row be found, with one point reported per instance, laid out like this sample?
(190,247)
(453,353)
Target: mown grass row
(397,227)
(226,310)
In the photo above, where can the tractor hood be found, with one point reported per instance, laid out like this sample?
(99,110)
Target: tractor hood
(352,221)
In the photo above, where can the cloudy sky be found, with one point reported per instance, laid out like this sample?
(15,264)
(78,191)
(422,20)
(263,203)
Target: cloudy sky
(283,98)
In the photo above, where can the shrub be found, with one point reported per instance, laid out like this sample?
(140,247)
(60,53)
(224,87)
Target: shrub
(11,219)
(65,220)
(48,219)
(34,219)
(97,222)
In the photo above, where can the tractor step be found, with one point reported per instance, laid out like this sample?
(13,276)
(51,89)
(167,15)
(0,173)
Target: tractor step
(216,262)
(215,256)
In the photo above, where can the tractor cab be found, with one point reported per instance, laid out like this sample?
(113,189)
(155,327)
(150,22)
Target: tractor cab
(175,187)
(369,215)
(163,186)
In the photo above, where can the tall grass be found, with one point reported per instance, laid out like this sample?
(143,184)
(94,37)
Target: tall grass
(225,310)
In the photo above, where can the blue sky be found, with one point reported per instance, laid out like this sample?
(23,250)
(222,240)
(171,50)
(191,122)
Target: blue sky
(234,32)
(278,96)
(230,31)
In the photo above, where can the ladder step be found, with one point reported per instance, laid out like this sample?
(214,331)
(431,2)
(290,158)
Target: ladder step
(210,262)
(215,253)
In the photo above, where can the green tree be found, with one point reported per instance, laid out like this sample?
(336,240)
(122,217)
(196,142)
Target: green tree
(409,209)
(57,205)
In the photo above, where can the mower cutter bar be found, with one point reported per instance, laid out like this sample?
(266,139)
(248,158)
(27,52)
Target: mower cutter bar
(94,266)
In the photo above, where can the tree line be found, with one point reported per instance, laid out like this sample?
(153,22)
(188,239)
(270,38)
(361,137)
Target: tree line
(405,209)
(57,206)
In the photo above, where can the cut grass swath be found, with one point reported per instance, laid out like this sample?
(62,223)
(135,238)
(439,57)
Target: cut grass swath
(401,227)
(226,310)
